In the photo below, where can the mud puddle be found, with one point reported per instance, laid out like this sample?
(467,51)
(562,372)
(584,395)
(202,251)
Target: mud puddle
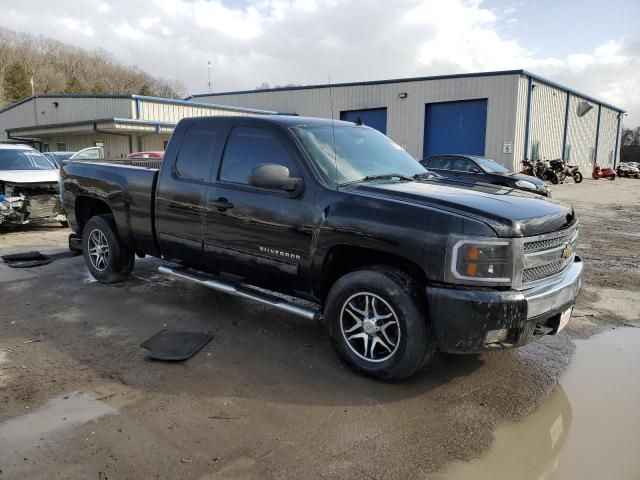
(21,436)
(588,428)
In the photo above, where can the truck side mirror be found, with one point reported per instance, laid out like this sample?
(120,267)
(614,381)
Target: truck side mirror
(275,177)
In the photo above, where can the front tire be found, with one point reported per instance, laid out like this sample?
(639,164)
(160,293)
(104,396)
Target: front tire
(376,320)
(108,260)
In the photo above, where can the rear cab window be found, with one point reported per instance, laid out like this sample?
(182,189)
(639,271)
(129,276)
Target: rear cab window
(194,159)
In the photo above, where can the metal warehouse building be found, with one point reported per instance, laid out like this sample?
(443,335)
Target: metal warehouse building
(121,124)
(507,115)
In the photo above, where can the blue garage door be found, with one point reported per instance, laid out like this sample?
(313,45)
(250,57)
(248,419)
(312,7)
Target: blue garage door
(372,117)
(455,127)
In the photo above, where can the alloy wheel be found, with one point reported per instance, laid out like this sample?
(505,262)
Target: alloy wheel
(370,327)
(98,250)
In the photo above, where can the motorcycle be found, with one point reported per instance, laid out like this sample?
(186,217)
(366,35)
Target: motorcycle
(528,168)
(545,172)
(563,170)
(606,172)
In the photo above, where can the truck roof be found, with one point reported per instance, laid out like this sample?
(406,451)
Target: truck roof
(284,120)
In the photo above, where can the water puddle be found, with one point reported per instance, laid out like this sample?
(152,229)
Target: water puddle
(588,428)
(25,432)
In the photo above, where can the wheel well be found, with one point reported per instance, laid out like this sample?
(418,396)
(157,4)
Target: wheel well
(343,259)
(87,207)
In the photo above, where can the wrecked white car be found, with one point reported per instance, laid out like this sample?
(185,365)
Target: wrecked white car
(29,188)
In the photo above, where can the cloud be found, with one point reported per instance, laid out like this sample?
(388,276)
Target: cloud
(306,41)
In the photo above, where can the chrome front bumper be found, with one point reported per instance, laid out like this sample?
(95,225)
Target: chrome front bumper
(549,297)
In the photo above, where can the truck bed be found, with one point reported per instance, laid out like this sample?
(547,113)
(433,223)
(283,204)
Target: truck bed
(128,190)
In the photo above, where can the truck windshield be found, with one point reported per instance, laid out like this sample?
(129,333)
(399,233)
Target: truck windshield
(11,159)
(358,153)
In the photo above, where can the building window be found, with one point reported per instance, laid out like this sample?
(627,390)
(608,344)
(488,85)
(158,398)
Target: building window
(567,153)
(61,146)
(535,150)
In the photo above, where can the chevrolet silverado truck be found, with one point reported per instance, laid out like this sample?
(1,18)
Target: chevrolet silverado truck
(334,221)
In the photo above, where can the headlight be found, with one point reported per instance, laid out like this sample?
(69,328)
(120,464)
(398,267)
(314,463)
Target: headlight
(526,184)
(479,261)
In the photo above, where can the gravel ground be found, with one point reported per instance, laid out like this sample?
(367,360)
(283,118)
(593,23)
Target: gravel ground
(267,398)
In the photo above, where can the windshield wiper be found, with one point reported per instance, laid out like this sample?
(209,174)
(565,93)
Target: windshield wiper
(384,176)
(427,175)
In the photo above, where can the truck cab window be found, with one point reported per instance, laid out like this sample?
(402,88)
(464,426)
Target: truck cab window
(249,147)
(194,157)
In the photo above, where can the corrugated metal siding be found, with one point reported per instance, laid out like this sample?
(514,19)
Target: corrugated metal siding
(42,111)
(152,142)
(608,132)
(520,122)
(405,121)
(167,112)
(115,146)
(547,120)
(582,134)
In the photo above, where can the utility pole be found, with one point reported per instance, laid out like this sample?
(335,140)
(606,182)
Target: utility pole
(210,66)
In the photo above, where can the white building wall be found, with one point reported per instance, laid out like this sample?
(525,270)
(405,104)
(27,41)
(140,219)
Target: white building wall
(405,117)
(581,136)
(548,105)
(115,146)
(43,111)
(174,112)
(520,122)
(607,139)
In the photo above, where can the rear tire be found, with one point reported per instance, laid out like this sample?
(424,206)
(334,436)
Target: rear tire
(108,260)
(376,321)
(577,177)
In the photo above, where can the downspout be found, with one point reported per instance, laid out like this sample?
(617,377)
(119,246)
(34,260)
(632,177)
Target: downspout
(528,119)
(615,151)
(595,155)
(566,128)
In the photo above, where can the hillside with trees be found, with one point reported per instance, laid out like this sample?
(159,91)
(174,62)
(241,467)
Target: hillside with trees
(60,68)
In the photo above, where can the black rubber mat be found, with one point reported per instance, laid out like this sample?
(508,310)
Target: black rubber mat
(26,260)
(33,259)
(174,345)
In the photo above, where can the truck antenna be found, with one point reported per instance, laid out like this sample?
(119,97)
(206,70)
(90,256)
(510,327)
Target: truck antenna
(333,131)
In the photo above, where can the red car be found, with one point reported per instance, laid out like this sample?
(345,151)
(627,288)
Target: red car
(152,154)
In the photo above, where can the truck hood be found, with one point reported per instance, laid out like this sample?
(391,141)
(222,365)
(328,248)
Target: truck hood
(29,176)
(509,212)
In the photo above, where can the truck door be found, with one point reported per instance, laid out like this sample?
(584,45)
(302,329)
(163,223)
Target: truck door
(181,192)
(260,234)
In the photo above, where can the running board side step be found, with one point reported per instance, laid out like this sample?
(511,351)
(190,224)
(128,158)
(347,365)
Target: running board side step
(242,291)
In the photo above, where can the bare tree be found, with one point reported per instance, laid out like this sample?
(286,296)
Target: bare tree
(57,67)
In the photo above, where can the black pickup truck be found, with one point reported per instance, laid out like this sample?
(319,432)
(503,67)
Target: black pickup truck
(337,222)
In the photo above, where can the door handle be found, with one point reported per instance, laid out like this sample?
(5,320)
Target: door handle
(222,204)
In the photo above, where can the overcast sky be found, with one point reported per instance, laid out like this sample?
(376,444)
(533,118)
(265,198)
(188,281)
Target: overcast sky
(592,45)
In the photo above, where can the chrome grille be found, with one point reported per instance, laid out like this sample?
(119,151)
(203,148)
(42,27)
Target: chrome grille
(548,243)
(543,271)
(546,255)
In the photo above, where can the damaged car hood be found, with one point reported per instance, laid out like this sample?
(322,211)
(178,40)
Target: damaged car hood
(29,176)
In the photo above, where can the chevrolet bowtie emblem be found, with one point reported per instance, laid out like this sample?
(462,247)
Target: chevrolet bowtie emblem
(567,252)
